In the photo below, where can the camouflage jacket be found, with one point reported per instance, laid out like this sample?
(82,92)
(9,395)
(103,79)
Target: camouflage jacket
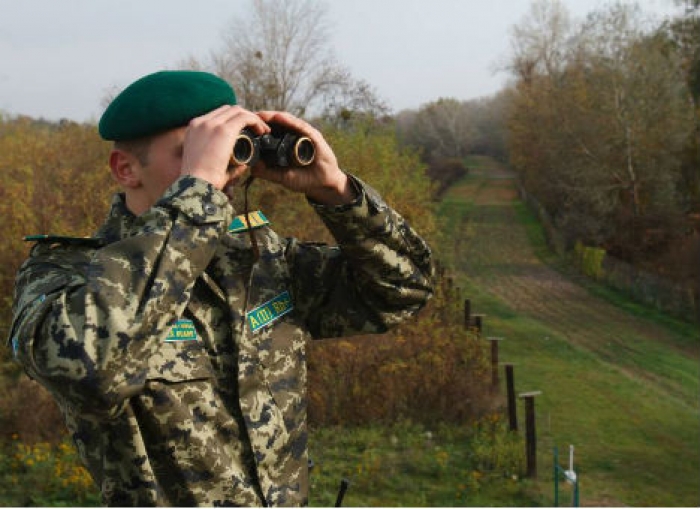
(178,360)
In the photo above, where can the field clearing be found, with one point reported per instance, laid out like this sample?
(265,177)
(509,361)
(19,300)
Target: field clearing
(620,386)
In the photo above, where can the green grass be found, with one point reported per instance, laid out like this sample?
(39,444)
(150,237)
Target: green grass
(634,445)
(628,404)
(686,331)
(408,465)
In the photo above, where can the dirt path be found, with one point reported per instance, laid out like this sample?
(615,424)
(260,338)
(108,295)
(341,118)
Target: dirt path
(620,386)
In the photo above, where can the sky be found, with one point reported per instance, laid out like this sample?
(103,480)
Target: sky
(61,58)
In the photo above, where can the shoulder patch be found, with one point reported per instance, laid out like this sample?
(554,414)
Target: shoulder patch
(270,311)
(239,223)
(63,239)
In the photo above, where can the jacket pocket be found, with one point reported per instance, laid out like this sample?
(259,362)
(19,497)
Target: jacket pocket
(180,361)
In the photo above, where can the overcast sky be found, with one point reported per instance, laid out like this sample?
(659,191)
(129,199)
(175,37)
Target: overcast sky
(59,58)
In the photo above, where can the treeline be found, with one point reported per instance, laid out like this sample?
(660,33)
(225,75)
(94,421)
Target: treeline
(601,121)
(451,129)
(604,130)
(447,130)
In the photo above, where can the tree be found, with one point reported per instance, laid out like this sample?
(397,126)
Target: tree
(278,58)
(442,129)
(538,42)
(683,33)
(449,129)
(598,125)
(488,116)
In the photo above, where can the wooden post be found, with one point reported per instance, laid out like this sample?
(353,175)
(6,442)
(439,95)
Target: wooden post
(512,408)
(530,433)
(478,323)
(467,313)
(494,362)
(472,320)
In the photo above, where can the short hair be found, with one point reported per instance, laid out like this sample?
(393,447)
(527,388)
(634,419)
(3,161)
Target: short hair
(138,147)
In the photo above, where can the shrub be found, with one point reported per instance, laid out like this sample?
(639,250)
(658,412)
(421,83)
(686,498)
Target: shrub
(28,408)
(429,370)
(590,260)
(446,172)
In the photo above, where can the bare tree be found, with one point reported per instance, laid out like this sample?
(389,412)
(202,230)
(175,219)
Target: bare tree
(538,42)
(442,129)
(279,57)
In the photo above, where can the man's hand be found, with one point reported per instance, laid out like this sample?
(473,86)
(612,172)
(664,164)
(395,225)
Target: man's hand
(322,181)
(209,141)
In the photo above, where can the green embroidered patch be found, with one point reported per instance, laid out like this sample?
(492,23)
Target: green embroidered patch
(270,311)
(183,330)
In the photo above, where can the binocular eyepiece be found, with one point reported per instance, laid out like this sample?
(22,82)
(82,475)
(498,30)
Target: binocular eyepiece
(280,148)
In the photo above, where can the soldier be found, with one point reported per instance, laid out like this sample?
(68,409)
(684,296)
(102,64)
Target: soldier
(176,352)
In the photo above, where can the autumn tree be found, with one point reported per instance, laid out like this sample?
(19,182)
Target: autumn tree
(683,34)
(599,120)
(445,128)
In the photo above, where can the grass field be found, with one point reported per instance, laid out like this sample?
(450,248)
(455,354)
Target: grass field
(622,385)
(410,466)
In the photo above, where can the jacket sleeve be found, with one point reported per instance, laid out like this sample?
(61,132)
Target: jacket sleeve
(85,325)
(380,273)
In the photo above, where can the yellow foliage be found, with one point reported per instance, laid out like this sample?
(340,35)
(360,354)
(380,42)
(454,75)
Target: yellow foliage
(590,260)
(45,470)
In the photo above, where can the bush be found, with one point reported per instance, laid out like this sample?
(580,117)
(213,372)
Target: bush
(28,409)
(446,172)
(429,370)
(590,260)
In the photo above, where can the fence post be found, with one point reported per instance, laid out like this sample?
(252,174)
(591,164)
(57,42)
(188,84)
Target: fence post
(530,432)
(569,474)
(478,323)
(472,320)
(494,362)
(556,476)
(467,313)
(512,408)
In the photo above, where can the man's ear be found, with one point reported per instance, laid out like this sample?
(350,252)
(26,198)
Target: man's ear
(125,168)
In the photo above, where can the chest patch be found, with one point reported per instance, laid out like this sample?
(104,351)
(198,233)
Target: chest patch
(270,311)
(183,330)
(240,224)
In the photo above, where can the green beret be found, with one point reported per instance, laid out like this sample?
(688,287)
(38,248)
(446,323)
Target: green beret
(163,101)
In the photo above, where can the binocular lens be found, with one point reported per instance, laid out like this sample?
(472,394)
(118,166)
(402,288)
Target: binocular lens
(304,151)
(277,149)
(243,150)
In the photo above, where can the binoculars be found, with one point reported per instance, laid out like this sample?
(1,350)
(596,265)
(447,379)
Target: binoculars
(280,148)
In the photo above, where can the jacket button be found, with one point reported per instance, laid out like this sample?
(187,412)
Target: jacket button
(209,209)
